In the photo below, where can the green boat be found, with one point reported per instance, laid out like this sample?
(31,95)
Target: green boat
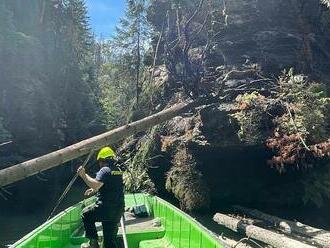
(166,226)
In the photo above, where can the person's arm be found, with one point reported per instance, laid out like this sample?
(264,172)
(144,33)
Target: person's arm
(91,182)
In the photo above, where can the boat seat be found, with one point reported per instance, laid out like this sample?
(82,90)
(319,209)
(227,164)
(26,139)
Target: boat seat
(155,243)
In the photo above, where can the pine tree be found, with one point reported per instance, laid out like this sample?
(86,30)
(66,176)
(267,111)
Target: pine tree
(48,80)
(78,78)
(20,66)
(132,38)
(72,79)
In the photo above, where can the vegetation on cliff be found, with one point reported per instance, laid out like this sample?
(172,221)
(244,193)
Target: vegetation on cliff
(221,51)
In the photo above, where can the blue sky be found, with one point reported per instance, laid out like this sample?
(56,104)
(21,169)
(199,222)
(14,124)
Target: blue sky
(104,16)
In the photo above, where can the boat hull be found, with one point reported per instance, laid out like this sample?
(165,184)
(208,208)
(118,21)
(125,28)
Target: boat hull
(177,228)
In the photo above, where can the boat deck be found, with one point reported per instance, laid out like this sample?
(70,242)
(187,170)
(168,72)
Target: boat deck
(148,225)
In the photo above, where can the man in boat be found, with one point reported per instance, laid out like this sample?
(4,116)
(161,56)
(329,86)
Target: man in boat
(109,205)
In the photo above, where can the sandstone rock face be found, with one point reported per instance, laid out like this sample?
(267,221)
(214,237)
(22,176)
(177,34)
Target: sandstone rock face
(276,34)
(249,37)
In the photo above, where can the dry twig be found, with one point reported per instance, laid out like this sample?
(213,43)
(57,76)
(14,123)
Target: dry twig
(247,239)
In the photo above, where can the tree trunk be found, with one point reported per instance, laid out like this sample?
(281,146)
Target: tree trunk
(138,62)
(53,159)
(318,236)
(274,239)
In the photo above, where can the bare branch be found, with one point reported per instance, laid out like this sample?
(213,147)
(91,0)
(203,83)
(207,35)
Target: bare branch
(186,36)
(156,53)
(194,14)
(3,196)
(6,143)
(202,27)
(178,21)
(41,20)
(6,191)
(224,12)
(247,239)
(154,157)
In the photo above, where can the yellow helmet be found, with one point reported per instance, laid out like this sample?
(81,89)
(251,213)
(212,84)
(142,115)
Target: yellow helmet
(105,152)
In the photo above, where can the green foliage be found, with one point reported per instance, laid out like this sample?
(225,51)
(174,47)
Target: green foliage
(309,106)
(117,91)
(121,74)
(48,84)
(306,102)
(292,121)
(251,117)
(137,179)
(132,26)
(132,39)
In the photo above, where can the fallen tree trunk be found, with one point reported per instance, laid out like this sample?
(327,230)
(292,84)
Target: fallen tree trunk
(274,239)
(23,170)
(318,236)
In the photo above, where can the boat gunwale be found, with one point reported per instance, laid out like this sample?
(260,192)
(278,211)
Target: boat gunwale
(204,230)
(44,225)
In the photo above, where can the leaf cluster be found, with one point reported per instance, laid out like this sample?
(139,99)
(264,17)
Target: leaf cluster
(304,122)
(136,178)
(251,117)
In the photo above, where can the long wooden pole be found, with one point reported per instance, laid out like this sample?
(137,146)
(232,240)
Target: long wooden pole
(29,168)
(123,228)
(68,187)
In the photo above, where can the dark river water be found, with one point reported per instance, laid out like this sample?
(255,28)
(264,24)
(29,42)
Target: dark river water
(16,222)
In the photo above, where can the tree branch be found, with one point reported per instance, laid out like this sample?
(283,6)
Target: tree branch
(156,53)
(202,27)
(295,127)
(194,14)
(6,143)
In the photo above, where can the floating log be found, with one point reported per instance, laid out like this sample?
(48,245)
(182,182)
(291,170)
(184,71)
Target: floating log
(317,236)
(269,237)
(29,168)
